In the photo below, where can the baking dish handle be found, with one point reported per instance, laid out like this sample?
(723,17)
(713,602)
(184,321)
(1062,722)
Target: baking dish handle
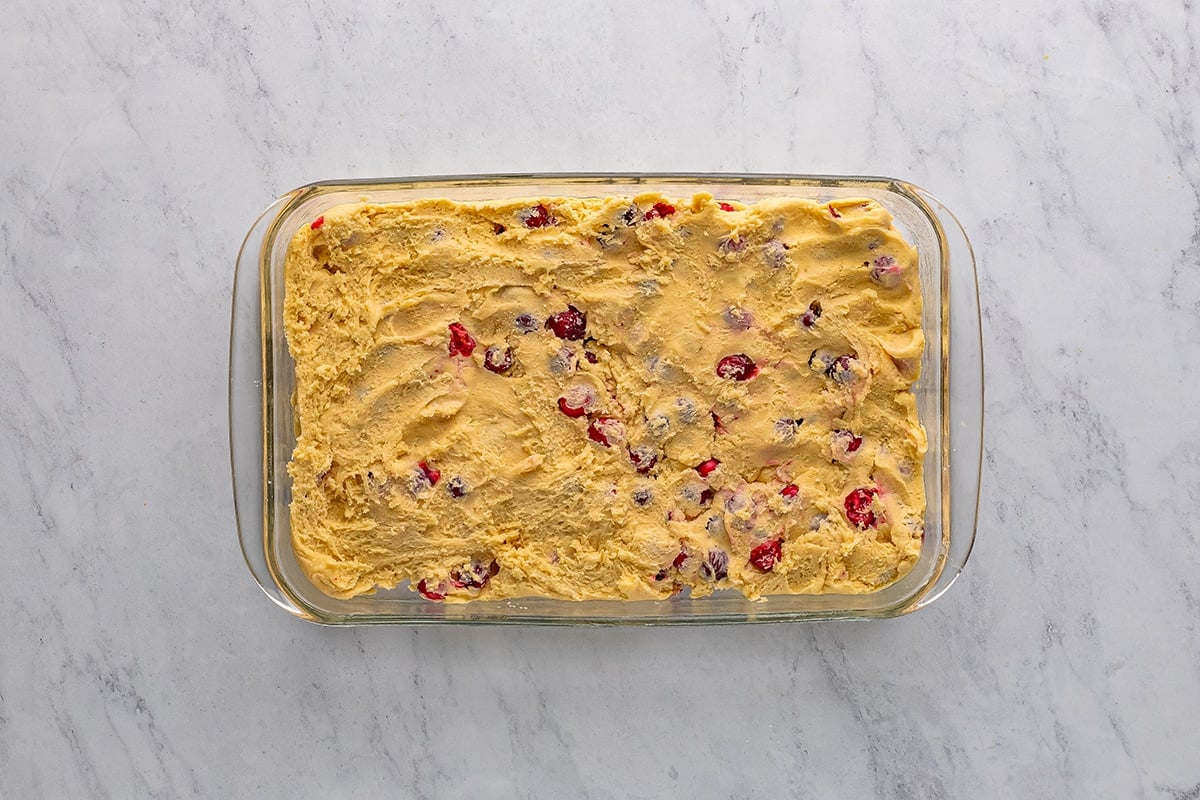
(246,433)
(966,400)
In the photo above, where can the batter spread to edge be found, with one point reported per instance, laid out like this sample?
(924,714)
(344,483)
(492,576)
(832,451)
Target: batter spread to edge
(605,398)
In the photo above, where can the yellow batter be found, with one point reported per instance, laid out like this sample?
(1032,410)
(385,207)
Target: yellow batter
(605,398)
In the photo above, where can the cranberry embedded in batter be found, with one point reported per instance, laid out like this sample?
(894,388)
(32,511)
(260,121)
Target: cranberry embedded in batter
(461,342)
(431,594)
(766,555)
(845,444)
(715,566)
(498,359)
(790,491)
(571,411)
(858,508)
(577,400)
(660,210)
(570,324)
(886,272)
(705,468)
(606,430)
(731,244)
(432,475)
(841,369)
(474,575)
(317,223)
(739,367)
(643,458)
(538,217)
(812,315)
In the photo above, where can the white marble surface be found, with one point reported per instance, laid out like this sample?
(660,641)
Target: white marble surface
(139,141)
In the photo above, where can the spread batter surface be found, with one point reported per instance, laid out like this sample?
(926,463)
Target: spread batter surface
(605,398)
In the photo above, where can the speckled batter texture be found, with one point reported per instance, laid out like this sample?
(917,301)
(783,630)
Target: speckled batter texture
(605,398)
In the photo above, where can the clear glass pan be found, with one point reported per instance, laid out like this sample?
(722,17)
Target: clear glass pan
(949,402)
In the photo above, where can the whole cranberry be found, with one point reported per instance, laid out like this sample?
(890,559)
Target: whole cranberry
(643,458)
(498,359)
(538,217)
(715,566)
(606,430)
(474,575)
(858,507)
(812,315)
(570,324)
(766,555)
(577,400)
(739,367)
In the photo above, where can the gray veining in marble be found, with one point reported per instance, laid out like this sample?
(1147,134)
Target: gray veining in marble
(139,141)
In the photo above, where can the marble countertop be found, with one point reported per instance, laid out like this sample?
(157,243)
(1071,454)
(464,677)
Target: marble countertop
(139,659)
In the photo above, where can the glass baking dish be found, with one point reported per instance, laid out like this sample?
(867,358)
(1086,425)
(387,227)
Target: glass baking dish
(949,401)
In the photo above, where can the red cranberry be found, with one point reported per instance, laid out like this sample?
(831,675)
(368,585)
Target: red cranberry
(738,318)
(725,206)
(845,444)
(858,508)
(812,315)
(606,430)
(775,253)
(718,425)
(886,272)
(643,458)
(731,244)
(498,359)
(833,212)
(432,475)
(498,229)
(841,369)
(766,555)
(571,411)
(317,223)
(577,400)
(679,559)
(461,342)
(538,217)
(431,594)
(474,575)
(739,367)
(706,495)
(570,324)
(591,357)
(790,491)
(715,566)
(660,210)
(705,468)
